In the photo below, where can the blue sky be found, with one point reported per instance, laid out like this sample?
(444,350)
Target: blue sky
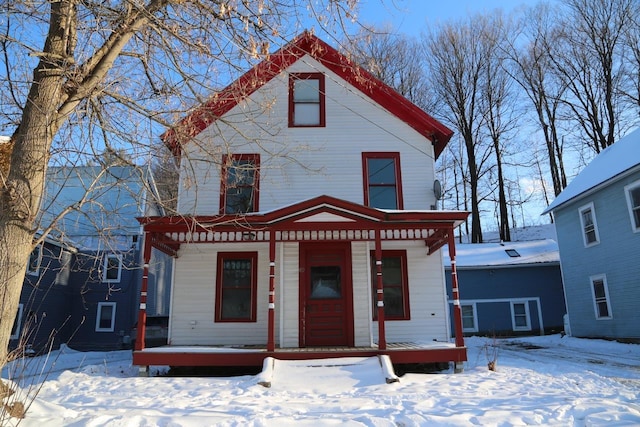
(412,16)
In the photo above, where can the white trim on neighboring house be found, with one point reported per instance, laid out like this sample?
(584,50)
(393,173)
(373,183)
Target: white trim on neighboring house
(514,324)
(105,268)
(585,229)
(33,266)
(601,298)
(633,210)
(17,325)
(101,306)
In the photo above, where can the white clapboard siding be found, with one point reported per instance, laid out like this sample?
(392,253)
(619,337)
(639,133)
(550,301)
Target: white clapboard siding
(300,163)
(289,286)
(193,303)
(428,307)
(362,294)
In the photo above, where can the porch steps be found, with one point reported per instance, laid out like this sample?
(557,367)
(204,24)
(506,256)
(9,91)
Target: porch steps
(329,374)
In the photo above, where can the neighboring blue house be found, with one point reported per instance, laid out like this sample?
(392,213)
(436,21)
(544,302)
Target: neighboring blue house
(597,220)
(511,288)
(82,286)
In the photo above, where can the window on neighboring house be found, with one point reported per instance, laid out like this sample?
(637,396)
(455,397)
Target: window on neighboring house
(106,317)
(240,179)
(589,225)
(112,268)
(236,287)
(306,100)
(520,319)
(469,320)
(395,285)
(382,182)
(633,201)
(17,324)
(33,268)
(600,294)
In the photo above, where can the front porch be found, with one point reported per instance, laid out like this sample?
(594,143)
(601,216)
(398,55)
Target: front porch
(299,246)
(400,353)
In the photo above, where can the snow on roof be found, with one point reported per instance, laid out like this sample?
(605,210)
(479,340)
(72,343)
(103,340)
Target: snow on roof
(611,162)
(497,254)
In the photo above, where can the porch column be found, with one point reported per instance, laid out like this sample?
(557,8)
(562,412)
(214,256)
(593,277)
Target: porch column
(272,292)
(382,338)
(142,313)
(457,311)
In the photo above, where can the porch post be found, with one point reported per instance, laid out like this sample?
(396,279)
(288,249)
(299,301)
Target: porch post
(142,313)
(457,311)
(272,284)
(382,338)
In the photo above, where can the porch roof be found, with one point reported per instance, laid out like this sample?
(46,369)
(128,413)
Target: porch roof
(320,215)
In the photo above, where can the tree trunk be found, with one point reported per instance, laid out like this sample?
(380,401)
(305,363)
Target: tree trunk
(22,189)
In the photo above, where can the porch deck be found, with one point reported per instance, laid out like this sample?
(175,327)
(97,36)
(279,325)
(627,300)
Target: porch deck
(400,353)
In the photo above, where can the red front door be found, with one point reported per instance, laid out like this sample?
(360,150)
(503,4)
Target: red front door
(326,307)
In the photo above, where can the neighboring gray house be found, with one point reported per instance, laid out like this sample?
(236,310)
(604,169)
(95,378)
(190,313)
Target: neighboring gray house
(511,288)
(83,281)
(597,220)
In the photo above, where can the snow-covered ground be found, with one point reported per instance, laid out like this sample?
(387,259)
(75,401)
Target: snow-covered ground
(539,381)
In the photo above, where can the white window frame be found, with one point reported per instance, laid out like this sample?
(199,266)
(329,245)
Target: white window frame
(18,323)
(627,190)
(38,251)
(582,209)
(475,317)
(101,306)
(105,265)
(513,315)
(592,280)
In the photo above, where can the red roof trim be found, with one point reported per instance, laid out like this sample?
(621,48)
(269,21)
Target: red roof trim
(292,213)
(307,43)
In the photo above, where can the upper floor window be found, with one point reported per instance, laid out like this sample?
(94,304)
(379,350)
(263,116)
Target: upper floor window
(306,100)
(33,268)
(633,201)
(236,287)
(112,268)
(395,285)
(240,179)
(382,182)
(589,225)
(600,294)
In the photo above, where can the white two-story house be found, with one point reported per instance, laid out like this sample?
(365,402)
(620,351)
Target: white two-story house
(308,226)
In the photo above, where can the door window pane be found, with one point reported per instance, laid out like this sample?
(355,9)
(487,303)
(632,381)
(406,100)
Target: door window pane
(325,282)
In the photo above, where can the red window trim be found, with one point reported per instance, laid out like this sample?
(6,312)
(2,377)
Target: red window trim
(402,254)
(222,256)
(226,161)
(365,174)
(307,76)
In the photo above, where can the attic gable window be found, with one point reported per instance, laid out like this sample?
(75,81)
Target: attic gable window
(589,225)
(33,268)
(512,253)
(382,181)
(239,186)
(306,100)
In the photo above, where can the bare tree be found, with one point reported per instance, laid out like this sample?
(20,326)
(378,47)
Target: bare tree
(395,59)
(103,73)
(533,71)
(587,58)
(457,61)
